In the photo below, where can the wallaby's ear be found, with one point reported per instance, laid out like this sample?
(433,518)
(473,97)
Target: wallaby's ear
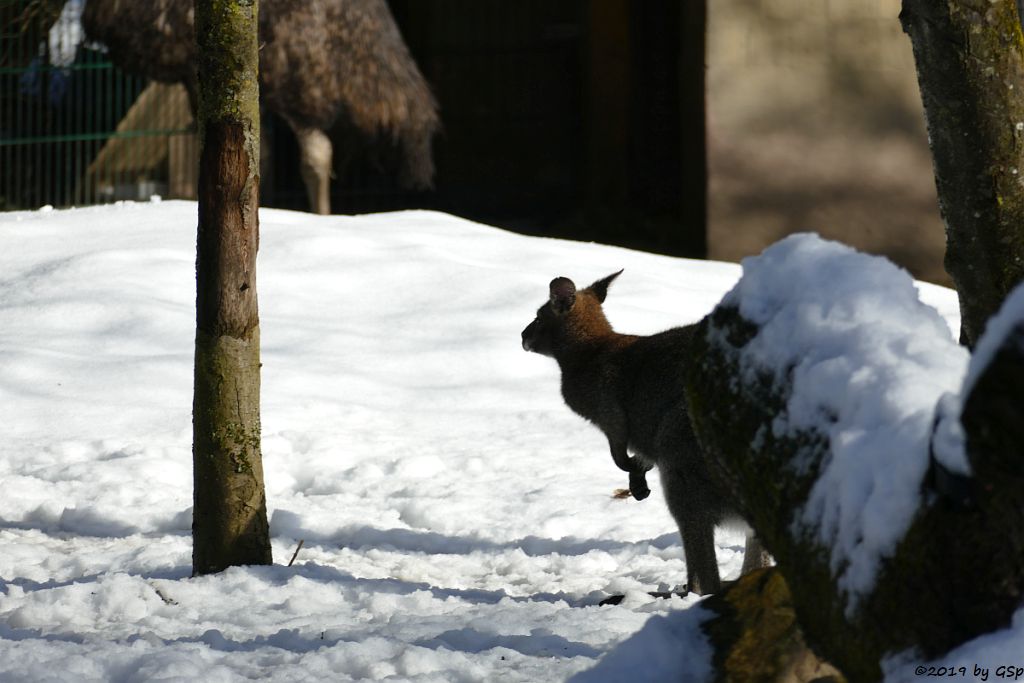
(600,288)
(563,294)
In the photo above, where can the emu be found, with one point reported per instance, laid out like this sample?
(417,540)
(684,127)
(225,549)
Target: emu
(322,64)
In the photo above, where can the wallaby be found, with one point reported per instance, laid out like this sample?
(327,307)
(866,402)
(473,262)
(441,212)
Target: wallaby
(632,388)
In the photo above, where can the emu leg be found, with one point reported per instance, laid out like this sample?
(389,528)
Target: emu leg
(315,149)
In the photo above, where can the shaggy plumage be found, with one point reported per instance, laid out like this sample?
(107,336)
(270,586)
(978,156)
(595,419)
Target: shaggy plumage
(322,62)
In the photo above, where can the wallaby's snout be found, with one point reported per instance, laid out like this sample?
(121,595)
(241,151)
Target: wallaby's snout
(537,337)
(528,335)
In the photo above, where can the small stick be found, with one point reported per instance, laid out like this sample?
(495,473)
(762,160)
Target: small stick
(296,554)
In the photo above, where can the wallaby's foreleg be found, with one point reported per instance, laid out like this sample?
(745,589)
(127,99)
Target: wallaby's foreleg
(620,456)
(636,468)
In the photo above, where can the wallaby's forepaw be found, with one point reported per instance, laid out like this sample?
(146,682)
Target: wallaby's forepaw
(623,494)
(641,493)
(638,485)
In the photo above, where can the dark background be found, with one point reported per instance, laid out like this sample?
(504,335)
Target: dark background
(563,118)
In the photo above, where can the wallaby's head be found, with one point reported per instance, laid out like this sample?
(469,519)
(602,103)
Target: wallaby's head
(569,317)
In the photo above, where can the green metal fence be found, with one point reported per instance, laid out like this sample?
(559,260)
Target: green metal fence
(75,130)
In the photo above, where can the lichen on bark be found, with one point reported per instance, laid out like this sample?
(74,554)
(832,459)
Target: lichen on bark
(228,54)
(230,515)
(970,66)
(756,637)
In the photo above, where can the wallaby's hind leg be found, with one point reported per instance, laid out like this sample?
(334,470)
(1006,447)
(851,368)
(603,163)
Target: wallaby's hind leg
(694,516)
(755,555)
(701,562)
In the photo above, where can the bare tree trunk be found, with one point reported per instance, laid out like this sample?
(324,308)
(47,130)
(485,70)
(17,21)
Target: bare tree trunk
(230,513)
(959,570)
(970,67)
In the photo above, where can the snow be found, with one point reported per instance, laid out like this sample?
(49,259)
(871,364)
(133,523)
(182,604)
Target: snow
(868,362)
(997,654)
(993,656)
(672,644)
(949,433)
(457,516)
(949,439)
(997,329)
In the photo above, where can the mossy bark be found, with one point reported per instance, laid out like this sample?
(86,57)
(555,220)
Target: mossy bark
(230,513)
(959,570)
(970,67)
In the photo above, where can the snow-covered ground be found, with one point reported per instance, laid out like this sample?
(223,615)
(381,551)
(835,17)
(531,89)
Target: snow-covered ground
(457,517)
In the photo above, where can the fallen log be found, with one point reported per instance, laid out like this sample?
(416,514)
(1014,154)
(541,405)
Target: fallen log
(889,489)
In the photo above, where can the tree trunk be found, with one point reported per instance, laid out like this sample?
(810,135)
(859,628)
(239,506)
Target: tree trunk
(230,511)
(959,570)
(970,68)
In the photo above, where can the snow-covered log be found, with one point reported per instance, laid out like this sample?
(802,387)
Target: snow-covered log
(829,399)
